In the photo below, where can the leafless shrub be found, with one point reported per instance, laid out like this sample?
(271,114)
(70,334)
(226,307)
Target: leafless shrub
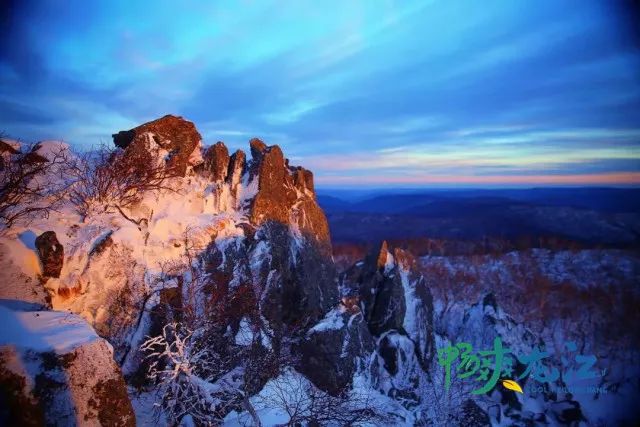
(305,404)
(203,378)
(31,185)
(110,180)
(175,368)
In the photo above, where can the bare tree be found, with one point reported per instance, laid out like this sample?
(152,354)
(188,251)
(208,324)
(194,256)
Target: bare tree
(31,184)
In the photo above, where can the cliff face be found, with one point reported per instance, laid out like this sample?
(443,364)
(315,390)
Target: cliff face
(285,194)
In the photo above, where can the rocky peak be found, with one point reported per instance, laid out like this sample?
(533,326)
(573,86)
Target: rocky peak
(393,296)
(235,170)
(285,194)
(303,179)
(276,194)
(258,148)
(216,161)
(179,137)
(383,255)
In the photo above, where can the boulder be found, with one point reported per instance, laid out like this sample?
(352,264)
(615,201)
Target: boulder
(179,137)
(51,254)
(54,370)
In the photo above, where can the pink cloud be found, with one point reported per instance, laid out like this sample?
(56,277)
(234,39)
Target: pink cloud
(612,178)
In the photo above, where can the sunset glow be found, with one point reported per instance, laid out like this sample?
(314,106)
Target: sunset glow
(381,92)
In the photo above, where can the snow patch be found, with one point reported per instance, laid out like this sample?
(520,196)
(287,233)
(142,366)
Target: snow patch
(44,330)
(332,321)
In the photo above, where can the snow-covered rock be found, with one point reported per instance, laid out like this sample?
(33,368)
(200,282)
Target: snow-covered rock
(176,137)
(55,370)
(332,349)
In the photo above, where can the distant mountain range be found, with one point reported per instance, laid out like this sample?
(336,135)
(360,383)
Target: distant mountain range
(605,216)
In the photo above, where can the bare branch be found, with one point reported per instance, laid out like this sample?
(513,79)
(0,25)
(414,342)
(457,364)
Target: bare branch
(31,184)
(109,180)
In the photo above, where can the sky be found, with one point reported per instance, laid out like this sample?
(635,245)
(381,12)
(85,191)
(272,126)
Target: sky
(372,93)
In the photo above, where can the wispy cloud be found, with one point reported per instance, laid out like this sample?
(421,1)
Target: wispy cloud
(391,91)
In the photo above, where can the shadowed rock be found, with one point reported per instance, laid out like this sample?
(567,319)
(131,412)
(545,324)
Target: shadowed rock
(329,355)
(237,164)
(394,297)
(51,254)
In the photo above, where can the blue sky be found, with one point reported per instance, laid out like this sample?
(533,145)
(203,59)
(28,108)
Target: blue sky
(362,93)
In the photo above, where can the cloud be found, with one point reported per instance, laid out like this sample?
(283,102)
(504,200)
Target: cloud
(409,89)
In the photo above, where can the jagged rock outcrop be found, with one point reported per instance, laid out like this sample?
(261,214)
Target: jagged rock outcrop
(51,254)
(292,280)
(177,136)
(216,161)
(394,297)
(286,194)
(276,193)
(382,329)
(257,148)
(54,370)
(237,165)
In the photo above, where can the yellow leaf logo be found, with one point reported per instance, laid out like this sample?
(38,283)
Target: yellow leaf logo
(512,385)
